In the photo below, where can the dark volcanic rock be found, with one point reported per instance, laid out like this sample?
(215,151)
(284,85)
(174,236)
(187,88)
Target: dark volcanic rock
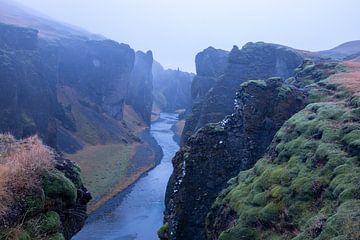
(69,91)
(140,95)
(28,102)
(253,61)
(172,88)
(74,216)
(219,151)
(98,70)
(210,65)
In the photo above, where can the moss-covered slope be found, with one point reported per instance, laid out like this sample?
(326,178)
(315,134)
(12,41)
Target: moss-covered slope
(307,185)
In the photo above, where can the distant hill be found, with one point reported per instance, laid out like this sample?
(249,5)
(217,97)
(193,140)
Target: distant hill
(343,51)
(14,13)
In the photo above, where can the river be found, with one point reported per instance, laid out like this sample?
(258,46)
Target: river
(137,213)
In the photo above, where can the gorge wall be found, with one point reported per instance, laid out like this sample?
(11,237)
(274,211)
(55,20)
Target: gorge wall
(171,88)
(304,186)
(302,156)
(253,61)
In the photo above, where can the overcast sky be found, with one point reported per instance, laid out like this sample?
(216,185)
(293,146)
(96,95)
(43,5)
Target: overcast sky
(175,30)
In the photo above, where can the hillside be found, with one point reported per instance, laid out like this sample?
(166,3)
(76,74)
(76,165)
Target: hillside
(14,13)
(342,51)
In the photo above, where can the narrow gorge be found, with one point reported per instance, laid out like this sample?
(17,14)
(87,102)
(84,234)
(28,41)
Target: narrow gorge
(102,141)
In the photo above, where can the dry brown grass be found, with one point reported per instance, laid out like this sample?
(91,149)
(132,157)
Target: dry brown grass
(349,79)
(21,165)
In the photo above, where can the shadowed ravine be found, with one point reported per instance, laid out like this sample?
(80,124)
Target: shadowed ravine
(138,212)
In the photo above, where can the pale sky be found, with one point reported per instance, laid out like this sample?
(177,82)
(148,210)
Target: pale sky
(176,30)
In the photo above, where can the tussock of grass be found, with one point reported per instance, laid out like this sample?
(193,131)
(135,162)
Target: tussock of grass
(22,163)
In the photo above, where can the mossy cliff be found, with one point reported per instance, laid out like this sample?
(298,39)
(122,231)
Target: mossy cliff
(219,151)
(307,184)
(41,202)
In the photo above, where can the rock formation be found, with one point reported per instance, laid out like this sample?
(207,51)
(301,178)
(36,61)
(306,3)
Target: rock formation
(306,186)
(254,61)
(172,88)
(140,95)
(210,65)
(219,151)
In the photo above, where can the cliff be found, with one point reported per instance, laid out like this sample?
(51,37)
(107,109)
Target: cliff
(306,185)
(42,195)
(172,88)
(90,99)
(299,185)
(140,95)
(210,65)
(254,61)
(218,151)
(24,88)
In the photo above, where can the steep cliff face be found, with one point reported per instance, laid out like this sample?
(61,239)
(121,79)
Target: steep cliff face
(70,91)
(42,195)
(253,61)
(172,88)
(210,65)
(306,186)
(219,151)
(28,100)
(140,95)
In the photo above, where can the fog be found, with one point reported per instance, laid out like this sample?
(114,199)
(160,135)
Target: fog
(175,30)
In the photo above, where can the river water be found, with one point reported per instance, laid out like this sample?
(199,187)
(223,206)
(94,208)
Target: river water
(137,213)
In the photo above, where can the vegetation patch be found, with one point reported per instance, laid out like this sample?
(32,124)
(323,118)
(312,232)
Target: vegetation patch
(308,186)
(103,166)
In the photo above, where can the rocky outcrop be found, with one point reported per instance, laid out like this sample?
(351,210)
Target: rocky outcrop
(219,151)
(254,61)
(172,88)
(210,65)
(140,95)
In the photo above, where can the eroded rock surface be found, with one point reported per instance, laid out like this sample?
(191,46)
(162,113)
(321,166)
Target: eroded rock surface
(217,152)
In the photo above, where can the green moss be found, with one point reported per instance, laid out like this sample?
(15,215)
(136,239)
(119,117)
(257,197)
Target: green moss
(314,169)
(57,236)
(260,83)
(44,224)
(260,199)
(344,223)
(50,222)
(57,186)
(163,231)
(271,212)
(36,201)
(239,233)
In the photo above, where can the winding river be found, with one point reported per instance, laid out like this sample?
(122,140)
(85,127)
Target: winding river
(138,212)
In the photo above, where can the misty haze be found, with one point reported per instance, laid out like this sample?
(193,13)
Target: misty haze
(179,120)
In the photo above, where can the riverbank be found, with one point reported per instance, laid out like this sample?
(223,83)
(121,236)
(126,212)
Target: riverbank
(142,204)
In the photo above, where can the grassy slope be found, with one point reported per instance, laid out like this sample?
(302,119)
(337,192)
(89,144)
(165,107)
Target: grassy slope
(308,185)
(103,166)
(108,169)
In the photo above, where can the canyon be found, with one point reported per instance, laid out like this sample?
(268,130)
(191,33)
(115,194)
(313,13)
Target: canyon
(263,142)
